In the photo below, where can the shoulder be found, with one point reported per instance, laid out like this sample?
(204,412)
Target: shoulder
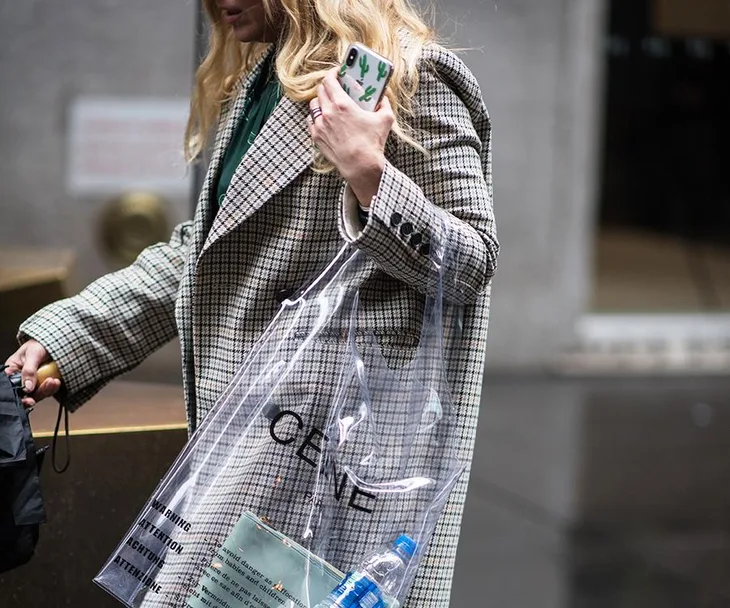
(443,74)
(448,102)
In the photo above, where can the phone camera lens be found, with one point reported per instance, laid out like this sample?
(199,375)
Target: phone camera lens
(351,58)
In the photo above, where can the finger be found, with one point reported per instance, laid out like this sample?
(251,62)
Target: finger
(314,107)
(325,87)
(34,355)
(12,367)
(385,112)
(324,99)
(334,90)
(315,111)
(49,388)
(28,402)
(385,105)
(15,361)
(312,128)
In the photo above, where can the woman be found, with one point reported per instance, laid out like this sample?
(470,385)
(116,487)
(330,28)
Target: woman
(296,168)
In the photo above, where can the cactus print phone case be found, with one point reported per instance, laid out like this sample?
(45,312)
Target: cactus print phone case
(364,75)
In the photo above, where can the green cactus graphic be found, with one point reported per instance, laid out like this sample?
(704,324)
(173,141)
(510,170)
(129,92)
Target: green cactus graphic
(368,94)
(364,67)
(382,70)
(343,70)
(346,88)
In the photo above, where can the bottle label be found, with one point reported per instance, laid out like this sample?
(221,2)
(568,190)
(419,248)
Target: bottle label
(356,591)
(372,600)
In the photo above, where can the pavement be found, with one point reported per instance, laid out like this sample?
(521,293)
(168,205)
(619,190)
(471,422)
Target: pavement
(599,493)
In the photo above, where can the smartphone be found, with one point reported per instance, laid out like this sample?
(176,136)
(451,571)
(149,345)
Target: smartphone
(364,75)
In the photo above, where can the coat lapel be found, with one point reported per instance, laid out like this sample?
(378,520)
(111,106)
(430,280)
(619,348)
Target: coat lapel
(227,126)
(280,153)
(204,217)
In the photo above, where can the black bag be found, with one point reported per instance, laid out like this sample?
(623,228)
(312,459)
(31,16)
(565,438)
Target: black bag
(21,502)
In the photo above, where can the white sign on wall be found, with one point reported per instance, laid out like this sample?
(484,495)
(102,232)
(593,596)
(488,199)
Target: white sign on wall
(117,144)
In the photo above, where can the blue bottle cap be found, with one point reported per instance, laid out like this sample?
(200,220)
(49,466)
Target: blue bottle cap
(406,544)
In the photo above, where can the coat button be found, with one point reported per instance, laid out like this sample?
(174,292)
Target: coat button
(425,249)
(284,295)
(416,239)
(406,229)
(395,219)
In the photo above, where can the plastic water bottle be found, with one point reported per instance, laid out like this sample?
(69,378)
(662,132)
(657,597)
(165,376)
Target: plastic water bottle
(375,579)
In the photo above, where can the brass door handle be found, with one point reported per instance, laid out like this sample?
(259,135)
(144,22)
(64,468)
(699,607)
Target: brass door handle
(130,223)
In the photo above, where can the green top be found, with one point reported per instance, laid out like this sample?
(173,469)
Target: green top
(263,97)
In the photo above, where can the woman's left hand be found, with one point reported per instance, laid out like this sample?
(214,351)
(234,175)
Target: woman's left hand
(351,138)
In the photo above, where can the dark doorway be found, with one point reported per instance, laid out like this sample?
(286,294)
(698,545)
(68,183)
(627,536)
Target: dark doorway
(664,221)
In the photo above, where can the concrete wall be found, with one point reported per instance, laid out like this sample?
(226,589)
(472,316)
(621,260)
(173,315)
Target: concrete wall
(539,65)
(50,54)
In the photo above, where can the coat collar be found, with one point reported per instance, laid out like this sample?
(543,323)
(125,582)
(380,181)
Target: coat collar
(280,153)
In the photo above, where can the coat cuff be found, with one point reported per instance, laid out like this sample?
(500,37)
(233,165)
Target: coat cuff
(354,215)
(386,216)
(48,328)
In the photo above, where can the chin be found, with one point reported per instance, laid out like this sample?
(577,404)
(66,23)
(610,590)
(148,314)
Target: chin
(247,33)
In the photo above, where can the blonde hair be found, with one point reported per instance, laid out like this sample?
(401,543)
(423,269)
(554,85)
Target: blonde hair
(314,37)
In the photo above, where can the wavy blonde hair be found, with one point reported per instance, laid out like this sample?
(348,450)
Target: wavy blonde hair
(313,38)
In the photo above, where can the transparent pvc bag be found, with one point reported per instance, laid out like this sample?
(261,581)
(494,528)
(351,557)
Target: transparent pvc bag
(329,443)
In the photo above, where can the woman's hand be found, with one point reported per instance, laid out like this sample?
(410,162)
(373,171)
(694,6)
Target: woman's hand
(27,359)
(351,138)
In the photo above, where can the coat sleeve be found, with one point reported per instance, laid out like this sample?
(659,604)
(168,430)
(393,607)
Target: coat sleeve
(442,196)
(115,323)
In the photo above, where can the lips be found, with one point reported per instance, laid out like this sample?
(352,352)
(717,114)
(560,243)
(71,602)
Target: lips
(231,15)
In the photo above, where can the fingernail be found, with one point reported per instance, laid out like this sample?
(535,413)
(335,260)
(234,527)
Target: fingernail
(28,386)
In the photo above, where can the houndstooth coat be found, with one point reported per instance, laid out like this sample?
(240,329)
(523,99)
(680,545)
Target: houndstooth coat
(222,276)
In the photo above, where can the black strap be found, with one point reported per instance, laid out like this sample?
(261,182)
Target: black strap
(61,410)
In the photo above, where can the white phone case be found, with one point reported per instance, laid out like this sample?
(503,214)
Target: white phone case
(367,76)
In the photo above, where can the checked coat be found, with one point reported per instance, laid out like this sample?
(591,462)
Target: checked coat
(221,278)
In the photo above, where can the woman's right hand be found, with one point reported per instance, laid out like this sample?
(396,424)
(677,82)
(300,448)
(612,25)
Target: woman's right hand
(27,359)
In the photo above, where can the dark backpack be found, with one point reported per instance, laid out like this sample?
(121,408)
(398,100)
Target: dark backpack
(21,502)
